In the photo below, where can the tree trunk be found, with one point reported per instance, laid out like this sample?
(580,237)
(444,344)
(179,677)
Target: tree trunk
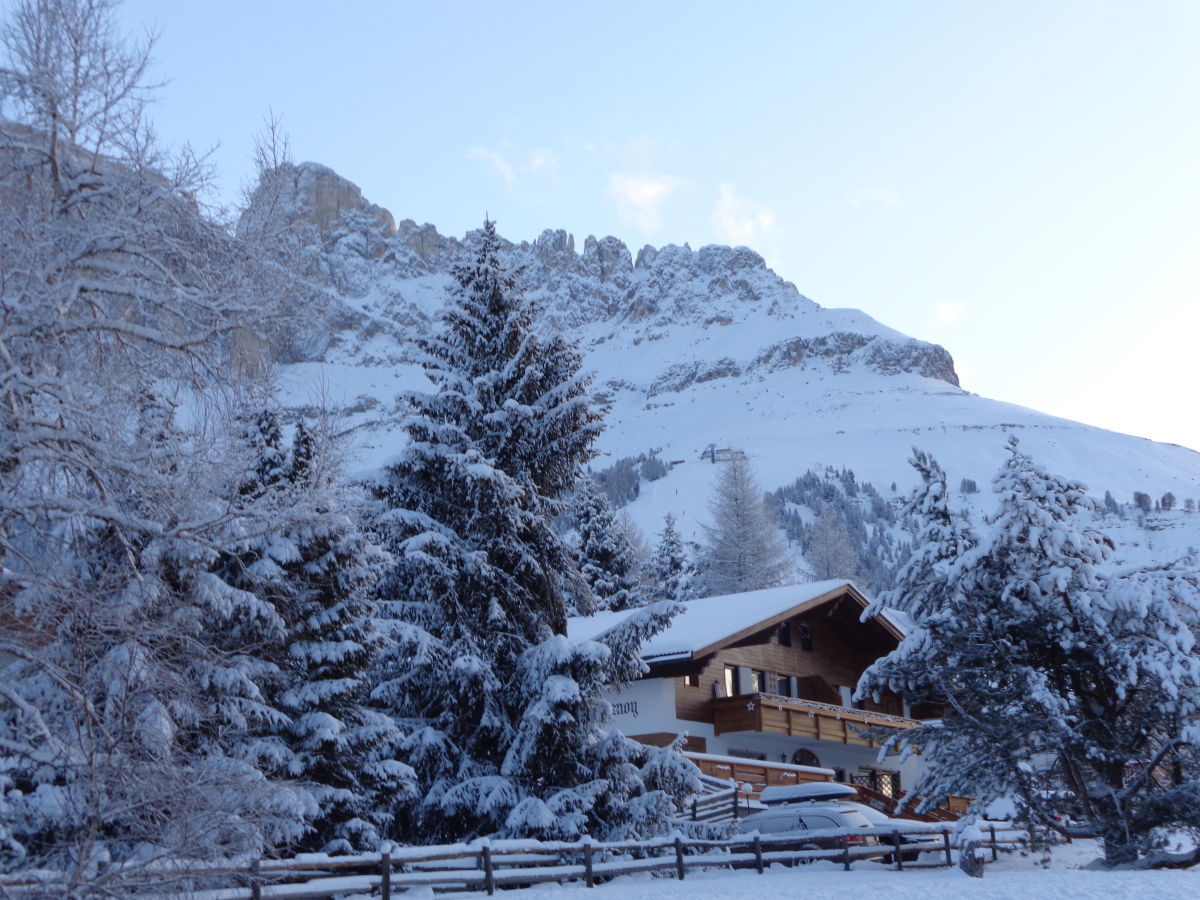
(1113,827)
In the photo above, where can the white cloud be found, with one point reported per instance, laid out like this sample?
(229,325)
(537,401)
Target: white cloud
(741,221)
(541,159)
(887,197)
(496,161)
(640,199)
(512,163)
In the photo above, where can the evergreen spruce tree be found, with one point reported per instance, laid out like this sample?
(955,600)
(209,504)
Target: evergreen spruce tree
(480,676)
(922,587)
(576,775)
(1037,654)
(306,653)
(671,575)
(343,751)
(603,554)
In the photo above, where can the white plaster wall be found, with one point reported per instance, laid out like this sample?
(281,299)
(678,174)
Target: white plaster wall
(648,706)
(643,706)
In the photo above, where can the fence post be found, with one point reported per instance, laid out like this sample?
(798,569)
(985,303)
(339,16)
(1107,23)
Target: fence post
(385,876)
(758,862)
(995,855)
(896,851)
(588,875)
(256,880)
(679,856)
(694,809)
(946,845)
(489,877)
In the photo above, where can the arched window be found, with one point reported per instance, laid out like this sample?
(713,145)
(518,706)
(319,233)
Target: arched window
(805,757)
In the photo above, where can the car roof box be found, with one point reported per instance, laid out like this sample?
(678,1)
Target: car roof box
(778,794)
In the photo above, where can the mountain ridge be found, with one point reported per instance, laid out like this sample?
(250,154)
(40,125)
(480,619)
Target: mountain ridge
(690,348)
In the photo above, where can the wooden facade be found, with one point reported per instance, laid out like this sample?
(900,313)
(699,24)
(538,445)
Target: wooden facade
(816,654)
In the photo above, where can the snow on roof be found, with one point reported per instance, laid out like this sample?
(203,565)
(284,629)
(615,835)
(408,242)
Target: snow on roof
(708,620)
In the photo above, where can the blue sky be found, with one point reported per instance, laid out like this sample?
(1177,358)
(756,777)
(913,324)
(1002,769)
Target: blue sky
(1016,181)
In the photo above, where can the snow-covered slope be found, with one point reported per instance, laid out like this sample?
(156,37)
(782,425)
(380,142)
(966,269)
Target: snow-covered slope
(691,349)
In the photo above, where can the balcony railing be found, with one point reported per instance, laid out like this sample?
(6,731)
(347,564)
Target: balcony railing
(803,718)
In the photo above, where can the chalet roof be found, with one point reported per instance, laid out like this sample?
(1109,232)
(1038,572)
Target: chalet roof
(713,622)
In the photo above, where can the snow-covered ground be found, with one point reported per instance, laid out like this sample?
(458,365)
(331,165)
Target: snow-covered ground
(1014,876)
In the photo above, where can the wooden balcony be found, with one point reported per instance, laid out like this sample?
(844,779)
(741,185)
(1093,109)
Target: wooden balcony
(800,718)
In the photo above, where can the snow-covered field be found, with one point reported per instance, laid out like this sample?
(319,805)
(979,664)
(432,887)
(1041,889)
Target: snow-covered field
(1014,876)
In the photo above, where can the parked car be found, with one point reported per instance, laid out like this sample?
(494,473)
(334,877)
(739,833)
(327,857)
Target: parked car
(807,825)
(790,805)
(911,831)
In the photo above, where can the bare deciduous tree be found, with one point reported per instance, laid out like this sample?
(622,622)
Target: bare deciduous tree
(831,552)
(127,342)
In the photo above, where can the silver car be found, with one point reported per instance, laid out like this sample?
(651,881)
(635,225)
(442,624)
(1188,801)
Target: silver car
(800,820)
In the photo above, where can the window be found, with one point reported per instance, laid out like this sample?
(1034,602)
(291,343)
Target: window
(784,686)
(817,823)
(731,681)
(692,680)
(785,634)
(758,681)
(805,757)
(806,637)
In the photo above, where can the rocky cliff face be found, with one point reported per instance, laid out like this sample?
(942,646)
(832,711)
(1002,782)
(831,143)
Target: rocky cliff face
(309,194)
(368,276)
(376,275)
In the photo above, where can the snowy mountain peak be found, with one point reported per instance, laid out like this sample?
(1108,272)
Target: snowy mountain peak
(380,276)
(690,349)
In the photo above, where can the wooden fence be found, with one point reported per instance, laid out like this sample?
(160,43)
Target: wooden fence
(489,865)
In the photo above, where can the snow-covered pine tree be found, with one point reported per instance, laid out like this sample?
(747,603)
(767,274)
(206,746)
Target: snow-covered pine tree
(576,775)
(341,750)
(745,551)
(922,587)
(306,656)
(476,580)
(1040,657)
(603,553)
(670,574)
